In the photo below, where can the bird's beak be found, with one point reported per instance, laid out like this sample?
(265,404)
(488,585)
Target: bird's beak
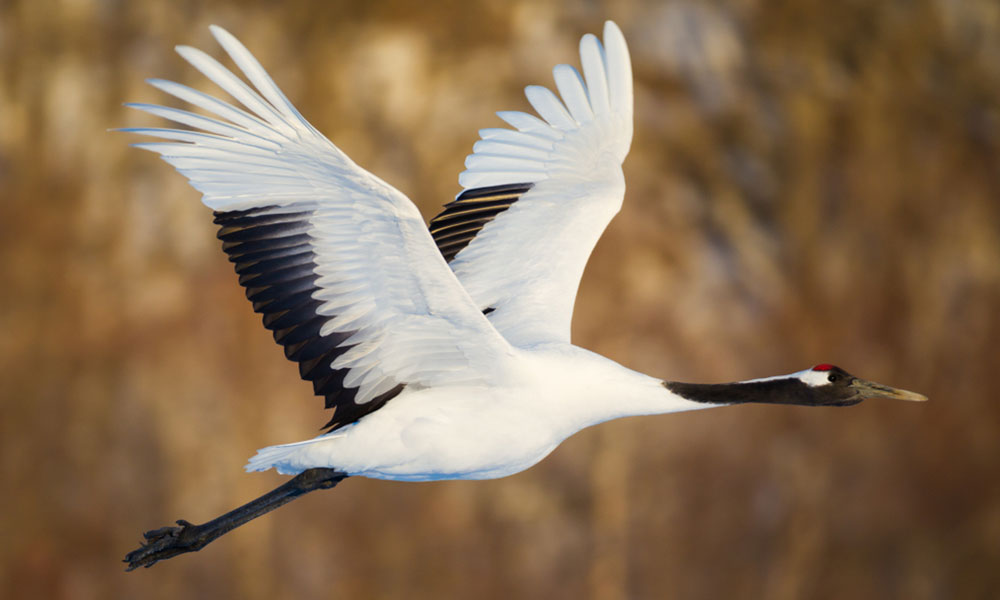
(870,389)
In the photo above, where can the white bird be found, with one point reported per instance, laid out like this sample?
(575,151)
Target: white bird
(445,352)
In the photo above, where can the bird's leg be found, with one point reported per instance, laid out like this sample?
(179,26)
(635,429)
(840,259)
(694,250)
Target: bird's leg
(168,542)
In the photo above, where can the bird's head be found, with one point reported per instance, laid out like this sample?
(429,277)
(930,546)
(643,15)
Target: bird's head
(832,386)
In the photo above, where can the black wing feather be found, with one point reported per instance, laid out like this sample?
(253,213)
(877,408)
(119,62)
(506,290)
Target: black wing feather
(464,217)
(275,263)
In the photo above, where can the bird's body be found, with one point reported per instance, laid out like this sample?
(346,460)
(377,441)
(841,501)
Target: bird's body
(444,351)
(472,432)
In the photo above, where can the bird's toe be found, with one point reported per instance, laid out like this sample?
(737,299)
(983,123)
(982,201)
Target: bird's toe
(164,542)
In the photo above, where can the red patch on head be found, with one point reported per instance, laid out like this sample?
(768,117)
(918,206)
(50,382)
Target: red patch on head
(823,367)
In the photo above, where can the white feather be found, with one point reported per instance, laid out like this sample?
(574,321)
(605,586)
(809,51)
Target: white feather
(211,104)
(256,74)
(519,138)
(549,107)
(529,124)
(592,59)
(573,92)
(510,148)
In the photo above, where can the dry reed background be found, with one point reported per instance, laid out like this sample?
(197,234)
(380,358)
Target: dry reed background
(810,181)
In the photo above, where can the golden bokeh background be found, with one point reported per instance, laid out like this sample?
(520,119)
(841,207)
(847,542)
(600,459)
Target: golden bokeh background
(810,181)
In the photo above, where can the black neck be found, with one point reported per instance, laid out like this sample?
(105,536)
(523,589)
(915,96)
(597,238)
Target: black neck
(773,391)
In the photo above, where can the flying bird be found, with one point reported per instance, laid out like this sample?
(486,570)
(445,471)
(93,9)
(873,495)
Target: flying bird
(444,352)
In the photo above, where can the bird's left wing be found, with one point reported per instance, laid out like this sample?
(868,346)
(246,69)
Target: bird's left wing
(538,197)
(339,263)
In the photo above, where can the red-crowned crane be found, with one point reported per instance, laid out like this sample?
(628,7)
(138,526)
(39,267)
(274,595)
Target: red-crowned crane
(444,352)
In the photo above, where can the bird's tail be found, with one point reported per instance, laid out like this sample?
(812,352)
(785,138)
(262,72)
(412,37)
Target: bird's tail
(287,459)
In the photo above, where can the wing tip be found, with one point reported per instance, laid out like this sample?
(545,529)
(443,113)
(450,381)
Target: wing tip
(189,53)
(619,68)
(612,29)
(605,91)
(228,41)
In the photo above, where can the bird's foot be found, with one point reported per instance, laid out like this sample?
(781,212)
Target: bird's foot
(166,542)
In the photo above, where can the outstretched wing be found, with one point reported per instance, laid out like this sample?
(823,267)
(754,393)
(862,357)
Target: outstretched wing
(339,263)
(538,197)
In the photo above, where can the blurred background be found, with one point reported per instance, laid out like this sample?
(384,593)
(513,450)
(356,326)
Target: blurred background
(810,181)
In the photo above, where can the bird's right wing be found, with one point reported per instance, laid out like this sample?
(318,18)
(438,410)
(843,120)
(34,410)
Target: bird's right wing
(538,197)
(338,262)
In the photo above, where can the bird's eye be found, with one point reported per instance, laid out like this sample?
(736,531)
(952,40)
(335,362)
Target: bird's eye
(832,377)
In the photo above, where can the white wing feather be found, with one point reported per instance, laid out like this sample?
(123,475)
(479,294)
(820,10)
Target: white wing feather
(380,284)
(526,263)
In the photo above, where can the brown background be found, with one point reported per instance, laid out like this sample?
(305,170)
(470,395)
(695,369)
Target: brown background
(811,181)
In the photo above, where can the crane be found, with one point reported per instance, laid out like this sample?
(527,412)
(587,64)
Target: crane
(444,352)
